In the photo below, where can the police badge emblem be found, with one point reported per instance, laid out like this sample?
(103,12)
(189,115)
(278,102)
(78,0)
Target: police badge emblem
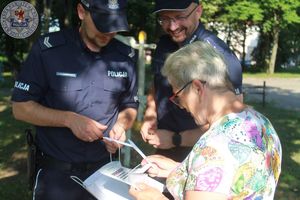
(19,19)
(113,4)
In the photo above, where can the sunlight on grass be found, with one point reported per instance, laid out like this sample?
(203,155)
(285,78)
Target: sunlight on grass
(296,157)
(6,74)
(2,108)
(3,58)
(296,142)
(275,75)
(8,172)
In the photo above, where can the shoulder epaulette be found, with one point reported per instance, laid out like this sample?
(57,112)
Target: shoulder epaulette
(52,40)
(214,41)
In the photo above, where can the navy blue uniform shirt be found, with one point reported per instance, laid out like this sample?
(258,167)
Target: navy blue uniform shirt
(170,116)
(61,73)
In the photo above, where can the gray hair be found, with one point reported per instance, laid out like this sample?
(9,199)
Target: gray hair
(200,61)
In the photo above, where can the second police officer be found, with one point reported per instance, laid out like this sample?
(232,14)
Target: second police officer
(167,127)
(76,86)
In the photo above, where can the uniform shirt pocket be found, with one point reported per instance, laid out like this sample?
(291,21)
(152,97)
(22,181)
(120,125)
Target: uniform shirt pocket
(115,85)
(67,94)
(113,89)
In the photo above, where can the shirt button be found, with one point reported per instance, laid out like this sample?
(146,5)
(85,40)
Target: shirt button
(92,104)
(93,82)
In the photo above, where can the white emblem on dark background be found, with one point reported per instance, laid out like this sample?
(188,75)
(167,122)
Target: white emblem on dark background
(47,43)
(19,19)
(113,4)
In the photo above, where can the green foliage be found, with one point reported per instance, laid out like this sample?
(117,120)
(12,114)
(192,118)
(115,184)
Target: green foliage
(140,18)
(289,46)
(279,13)
(211,9)
(246,11)
(292,70)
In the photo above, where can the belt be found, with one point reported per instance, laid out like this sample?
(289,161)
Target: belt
(48,162)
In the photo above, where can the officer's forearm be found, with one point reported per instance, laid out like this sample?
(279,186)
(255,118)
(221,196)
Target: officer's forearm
(126,118)
(35,113)
(151,106)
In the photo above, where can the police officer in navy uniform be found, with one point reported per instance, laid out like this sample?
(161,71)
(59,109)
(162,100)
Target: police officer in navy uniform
(167,127)
(76,86)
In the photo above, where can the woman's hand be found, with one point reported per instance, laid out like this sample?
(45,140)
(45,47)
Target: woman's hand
(145,192)
(161,165)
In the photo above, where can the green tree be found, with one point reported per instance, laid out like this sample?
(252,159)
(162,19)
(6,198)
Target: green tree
(140,17)
(261,53)
(289,46)
(211,10)
(278,14)
(240,16)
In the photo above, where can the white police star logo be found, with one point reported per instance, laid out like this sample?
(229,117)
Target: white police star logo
(19,19)
(113,4)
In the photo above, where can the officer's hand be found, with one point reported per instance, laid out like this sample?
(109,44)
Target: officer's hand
(117,133)
(147,128)
(161,139)
(84,128)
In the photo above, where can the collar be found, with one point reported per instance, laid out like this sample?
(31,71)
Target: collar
(80,43)
(197,34)
(111,47)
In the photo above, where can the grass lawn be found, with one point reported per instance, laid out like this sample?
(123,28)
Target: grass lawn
(13,181)
(276,75)
(283,73)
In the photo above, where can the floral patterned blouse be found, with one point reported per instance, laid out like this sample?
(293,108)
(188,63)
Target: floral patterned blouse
(239,156)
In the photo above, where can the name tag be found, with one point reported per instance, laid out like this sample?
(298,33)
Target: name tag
(66,74)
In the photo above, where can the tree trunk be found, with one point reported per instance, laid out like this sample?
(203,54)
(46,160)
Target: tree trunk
(244,47)
(276,31)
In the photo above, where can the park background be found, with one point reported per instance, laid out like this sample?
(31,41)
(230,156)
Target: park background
(275,55)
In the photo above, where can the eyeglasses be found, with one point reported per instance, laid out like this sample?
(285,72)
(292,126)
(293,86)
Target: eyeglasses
(167,20)
(175,98)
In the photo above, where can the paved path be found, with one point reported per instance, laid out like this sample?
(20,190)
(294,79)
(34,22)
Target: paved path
(281,92)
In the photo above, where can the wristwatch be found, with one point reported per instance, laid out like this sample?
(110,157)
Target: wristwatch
(176,139)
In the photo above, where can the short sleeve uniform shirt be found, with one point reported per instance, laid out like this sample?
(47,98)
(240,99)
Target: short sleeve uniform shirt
(61,73)
(170,116)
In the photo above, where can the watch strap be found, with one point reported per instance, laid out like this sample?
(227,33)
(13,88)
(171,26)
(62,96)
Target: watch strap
(176,139)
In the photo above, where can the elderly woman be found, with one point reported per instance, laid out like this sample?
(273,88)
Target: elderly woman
(238,157)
